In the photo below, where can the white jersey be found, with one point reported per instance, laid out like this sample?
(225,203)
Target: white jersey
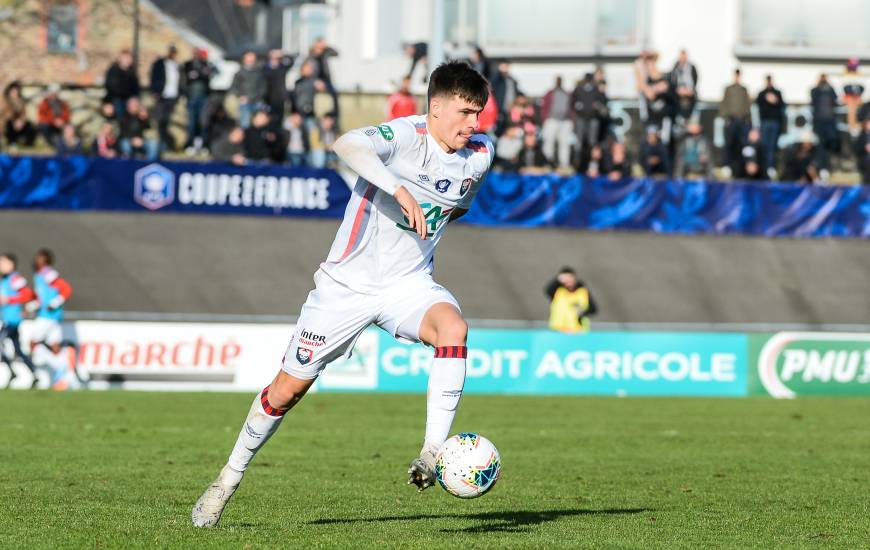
(375,246)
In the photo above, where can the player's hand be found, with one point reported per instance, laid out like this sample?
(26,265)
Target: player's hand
(412,211)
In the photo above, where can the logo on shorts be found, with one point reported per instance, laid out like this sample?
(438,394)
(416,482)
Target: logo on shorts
(442,185)
(466,184)
(304,355)
(311,339)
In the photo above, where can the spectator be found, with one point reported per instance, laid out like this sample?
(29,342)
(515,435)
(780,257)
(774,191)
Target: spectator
(401,102)
(479,62)
(684,82)
(13,117)
(694,157)
(531,158)
(417,52)
(505,90)
(230,147)
(122,82)
(321,141)
(69,143)
(654,158)
(596,164)
(108,112)
(771,112)
(165,84)
(217,122)
(735,110)
(53,114)
(488,116)
(617,163)
(507,149)
(304,92)
(105,144)
(800,161)
(133,124)
(297,140)
(853,89)
(751,156)
(824,105)
(275,81)
(557,114)
(571,303)
(262,141)
(862,151)
(522,114)
(196,86)
(656,101)
(249,86)
(319,55)
(590,105)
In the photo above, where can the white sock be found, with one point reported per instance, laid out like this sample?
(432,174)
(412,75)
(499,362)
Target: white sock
(262,421)
(446,380)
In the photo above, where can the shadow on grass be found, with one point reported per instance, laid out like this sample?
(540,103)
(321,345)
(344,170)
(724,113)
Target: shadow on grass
(509,521)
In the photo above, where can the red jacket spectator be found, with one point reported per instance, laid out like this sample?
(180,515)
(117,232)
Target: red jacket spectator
(489,115)
(51,109)
(401,103)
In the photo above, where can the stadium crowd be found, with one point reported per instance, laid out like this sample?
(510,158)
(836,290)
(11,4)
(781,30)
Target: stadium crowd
(568,129)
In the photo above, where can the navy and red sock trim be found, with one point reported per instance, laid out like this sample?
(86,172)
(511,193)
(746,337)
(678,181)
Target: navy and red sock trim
(270,410)
(451,352)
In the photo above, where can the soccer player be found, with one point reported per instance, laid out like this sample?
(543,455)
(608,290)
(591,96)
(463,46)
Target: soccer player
(416,174)
(52,292)
(14,293)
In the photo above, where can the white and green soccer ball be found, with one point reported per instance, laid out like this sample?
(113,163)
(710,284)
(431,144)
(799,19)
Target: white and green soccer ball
(467,465)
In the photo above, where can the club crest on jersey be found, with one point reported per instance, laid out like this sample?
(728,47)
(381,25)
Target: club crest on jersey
(442,185)
(304,355)
(466,184)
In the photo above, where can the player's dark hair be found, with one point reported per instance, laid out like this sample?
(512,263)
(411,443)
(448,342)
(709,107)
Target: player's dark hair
(46,255)
(459,78)
(11,257)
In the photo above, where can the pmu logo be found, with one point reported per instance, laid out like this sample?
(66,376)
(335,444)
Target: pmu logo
(154,186)
(806,363)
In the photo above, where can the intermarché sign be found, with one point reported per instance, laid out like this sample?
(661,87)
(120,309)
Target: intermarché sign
(791,364)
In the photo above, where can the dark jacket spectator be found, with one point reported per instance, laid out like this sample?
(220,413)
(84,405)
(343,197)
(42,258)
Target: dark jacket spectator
(590,107)
(230,147)
(617,163)
(752,156)
(69,143)
(862,151)
(824,105)
(507,149)
(683,81)
(165,84)
(800,161)
(105,143)
(735,109)
(122,82)
(319,57)
(305,90)
(531,157)
(249,83)
(13,117)
(654,158)
(417,52)
(479,62)
(824,100)
(196,73)
(504,87)
(771,112)
(262,142)
(132,126)
(275,84)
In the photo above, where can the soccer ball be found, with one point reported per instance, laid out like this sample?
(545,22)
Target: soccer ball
(467,465)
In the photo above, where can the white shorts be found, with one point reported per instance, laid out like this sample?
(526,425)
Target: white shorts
(334,316)
(46,330)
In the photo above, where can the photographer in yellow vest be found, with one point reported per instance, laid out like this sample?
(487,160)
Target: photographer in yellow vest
(571,302)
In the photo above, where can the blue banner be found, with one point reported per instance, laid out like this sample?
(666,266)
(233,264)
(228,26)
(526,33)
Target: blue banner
(84,183)
(598,363)
(751,208)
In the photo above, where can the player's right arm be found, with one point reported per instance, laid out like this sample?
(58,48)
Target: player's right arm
(367,151)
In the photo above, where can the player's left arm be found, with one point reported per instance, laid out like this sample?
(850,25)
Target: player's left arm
(64,291)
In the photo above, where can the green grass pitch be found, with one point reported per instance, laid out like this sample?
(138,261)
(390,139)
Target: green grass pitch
(122,470)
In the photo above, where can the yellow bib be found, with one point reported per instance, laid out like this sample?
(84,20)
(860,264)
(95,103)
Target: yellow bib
(565,310)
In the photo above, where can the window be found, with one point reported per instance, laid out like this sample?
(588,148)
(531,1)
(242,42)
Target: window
(62,27)
(552,28)
(801,28)
(302,26)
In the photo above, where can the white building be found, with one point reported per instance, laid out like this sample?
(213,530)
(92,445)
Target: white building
(794,40)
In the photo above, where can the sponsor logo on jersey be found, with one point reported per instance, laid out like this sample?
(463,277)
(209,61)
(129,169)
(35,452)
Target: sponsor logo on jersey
(435,217)
(466,185)
(386,132)
(154,186)
(304,355)
(423,179)
(371,131)
(311,339)
(442,185)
